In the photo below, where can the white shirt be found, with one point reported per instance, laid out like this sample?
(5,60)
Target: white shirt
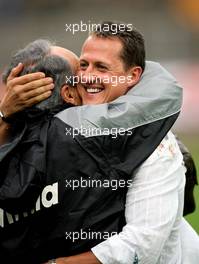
(190,243)
(154,208)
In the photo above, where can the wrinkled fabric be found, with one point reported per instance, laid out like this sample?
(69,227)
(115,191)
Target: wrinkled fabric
(38,208)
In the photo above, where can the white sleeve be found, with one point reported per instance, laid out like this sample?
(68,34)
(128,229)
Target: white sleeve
(152,206)
(190,243)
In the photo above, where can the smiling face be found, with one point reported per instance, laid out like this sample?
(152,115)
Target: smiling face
(102,71)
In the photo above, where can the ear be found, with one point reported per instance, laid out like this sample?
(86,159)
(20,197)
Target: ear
(134,75)
(67,94)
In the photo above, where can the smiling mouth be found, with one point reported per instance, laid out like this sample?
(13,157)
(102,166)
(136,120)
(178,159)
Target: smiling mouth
(93,90)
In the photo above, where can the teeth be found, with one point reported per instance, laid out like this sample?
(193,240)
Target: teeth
(93,90)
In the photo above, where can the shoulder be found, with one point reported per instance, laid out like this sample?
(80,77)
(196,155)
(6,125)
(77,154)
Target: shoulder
(165,163)
(168,149)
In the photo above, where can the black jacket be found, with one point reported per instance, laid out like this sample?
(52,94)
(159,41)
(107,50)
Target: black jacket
(42,161)
(43,157)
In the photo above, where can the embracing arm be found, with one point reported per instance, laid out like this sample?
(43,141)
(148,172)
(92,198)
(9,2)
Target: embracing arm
(154,202)
(21,93)
(84,258)
(154,209)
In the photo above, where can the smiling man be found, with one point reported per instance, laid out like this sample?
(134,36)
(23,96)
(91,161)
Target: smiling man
(107,72)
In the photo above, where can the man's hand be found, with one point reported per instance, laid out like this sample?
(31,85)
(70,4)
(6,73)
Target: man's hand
(84,258)
(24,91)
(4,132)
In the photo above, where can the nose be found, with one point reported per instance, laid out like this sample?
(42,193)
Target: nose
(89,75)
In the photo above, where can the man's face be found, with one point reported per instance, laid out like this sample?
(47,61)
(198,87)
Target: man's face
(68,55)
(102,71)
(69,94)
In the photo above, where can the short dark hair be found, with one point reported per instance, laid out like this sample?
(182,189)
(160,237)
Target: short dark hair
(133,52)
(36,57)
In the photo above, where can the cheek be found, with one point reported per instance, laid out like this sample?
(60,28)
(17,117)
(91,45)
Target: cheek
(80,89)
(77,97)
(114,91)
(110,93)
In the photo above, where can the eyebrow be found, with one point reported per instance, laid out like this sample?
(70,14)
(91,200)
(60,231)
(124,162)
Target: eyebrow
(103,63)
(96,62)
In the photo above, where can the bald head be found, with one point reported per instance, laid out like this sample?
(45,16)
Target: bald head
(68,55)
(55,62)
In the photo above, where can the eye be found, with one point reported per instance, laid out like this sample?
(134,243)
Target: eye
(83,65)
(102,67)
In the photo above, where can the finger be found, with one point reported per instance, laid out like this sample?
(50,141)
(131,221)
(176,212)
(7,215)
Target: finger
(39,98)
(38,91)
(15,71)
(26,78)
(34,85)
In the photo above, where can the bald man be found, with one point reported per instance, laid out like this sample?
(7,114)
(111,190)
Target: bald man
(28,95)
